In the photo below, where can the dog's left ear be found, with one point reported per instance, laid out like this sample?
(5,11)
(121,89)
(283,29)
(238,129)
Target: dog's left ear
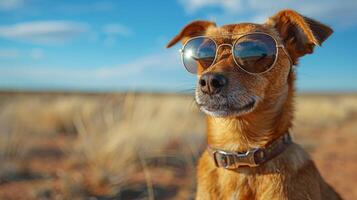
(300,34)
(192,29)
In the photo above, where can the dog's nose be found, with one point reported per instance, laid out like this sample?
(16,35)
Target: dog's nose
(211,83)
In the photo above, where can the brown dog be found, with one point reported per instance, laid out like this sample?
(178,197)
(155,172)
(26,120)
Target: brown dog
(246,86)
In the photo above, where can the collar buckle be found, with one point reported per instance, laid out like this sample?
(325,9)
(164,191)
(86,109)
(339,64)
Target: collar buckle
(251,158)
(233,160)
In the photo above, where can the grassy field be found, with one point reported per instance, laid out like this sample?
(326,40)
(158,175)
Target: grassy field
(143,146)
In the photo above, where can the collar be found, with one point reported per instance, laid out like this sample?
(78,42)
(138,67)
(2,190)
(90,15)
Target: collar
(251,158)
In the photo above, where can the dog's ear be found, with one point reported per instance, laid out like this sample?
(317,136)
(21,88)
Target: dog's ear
(192,29)
(300,34)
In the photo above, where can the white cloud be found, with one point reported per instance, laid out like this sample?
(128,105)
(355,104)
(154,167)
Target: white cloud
(194,5)
(116,29)
(86,6)
(147,72)
(9,53)
(330,11)
(10,4)
(61,6)
(113,31)
(58,32)
(163,60)
(43,32)
(15,53)
(130,74)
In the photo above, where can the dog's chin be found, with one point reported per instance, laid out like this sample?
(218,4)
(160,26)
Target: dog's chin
(228,111)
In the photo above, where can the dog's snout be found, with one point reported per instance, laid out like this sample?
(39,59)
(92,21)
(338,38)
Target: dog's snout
(211,83)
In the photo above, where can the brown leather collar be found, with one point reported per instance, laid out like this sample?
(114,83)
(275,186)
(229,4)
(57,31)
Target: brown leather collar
(253,157)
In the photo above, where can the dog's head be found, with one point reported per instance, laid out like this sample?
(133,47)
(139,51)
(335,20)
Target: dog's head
(226,90)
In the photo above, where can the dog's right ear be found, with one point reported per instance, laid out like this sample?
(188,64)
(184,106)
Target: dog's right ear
(300,34)
(192,29)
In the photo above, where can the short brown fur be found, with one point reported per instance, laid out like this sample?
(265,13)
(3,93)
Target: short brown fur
(292,174)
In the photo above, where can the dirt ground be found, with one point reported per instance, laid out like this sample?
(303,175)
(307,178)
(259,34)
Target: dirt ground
(120,146)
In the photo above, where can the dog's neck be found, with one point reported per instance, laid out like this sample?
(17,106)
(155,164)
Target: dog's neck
(268,121)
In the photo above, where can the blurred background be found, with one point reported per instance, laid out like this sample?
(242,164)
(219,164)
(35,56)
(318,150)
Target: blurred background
(92,106)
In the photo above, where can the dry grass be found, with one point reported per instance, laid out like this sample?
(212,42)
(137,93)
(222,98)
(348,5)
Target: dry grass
(129,135)
(325,110)
(133,146)
(114,141)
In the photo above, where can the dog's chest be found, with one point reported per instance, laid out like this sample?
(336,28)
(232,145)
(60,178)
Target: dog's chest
(239,186)
(234,186)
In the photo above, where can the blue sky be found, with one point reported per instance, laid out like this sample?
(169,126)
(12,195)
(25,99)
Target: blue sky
(119,45)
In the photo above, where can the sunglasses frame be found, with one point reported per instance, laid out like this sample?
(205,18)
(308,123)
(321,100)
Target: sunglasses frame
(277,46)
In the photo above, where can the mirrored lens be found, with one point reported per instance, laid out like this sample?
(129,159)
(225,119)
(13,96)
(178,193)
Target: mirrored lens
(255,53)
(198,54)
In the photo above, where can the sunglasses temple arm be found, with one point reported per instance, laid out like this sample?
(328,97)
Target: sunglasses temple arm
(287,54)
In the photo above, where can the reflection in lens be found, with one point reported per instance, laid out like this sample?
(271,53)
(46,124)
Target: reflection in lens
(255,53)
(199,54)
(188,54)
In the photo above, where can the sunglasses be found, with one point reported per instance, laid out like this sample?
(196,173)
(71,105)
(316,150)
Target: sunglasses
(254,53)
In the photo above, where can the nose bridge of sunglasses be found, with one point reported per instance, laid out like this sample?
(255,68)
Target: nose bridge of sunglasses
(224,49)
(224,45)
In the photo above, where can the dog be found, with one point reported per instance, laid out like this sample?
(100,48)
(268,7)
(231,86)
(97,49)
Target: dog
(246,86)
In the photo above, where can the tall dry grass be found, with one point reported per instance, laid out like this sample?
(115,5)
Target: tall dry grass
(125,146)
(325,110)
(124,139)
(116,137)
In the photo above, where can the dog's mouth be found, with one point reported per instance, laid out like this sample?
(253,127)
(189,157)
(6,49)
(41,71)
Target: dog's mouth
(225,108)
